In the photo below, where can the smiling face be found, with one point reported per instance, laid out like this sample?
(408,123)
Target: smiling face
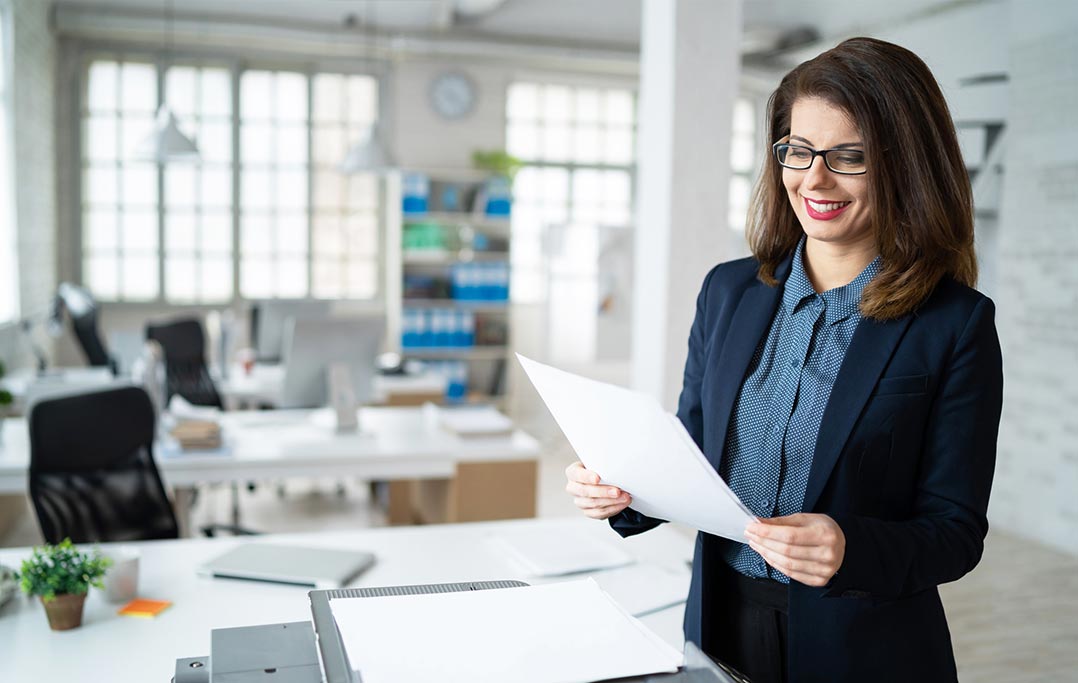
(832,208)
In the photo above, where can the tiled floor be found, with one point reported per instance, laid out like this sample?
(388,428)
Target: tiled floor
(1015,618)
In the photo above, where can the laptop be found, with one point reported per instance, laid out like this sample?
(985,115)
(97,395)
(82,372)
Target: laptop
(320,568)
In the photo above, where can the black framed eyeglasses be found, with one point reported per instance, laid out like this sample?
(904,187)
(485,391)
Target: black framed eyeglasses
(800,158)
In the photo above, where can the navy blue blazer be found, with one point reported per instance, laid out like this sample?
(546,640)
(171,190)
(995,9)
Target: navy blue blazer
(903,462)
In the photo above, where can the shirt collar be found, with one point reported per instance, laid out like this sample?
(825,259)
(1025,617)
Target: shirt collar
(840,303)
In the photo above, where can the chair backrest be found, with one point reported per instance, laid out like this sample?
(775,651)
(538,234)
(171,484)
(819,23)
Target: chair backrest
(92,472)
(184,344)
(82,309)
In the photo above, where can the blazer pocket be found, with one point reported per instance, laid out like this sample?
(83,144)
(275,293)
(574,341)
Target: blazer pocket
(909,384)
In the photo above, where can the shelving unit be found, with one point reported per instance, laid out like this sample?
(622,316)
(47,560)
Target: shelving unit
(451,272)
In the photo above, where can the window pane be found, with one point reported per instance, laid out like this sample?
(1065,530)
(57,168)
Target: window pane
(256,100)
(362,100)
(139,184)
(256,279)
(556,103)
(133,130)
(744,117)
(291,278)
(619,107)
(522,140)
(216,279)
(216,188)
(139,231)
(100,186)
(291,97)
(181,278)
(139,277)
(181,190)
(586,144)
(292,145)
(215,142)
(181,91)
(742,153)
(215,234)
(102,90)
(181,233)
(102,274)
(101,139)
(522,101)
(216,93)
(138,88)
(102,233)
(619,146)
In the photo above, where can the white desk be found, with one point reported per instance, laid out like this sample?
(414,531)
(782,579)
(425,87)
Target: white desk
(393,444)
(264,384)
(119,649)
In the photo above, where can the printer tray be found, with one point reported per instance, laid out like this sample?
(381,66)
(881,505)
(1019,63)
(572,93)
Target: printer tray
(698,667)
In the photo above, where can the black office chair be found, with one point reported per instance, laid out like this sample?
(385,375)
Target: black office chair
(186,372)
(83,310)
(92,472)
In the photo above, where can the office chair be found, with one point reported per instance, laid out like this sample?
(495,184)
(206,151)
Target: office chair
(83,311)
(92,472)
(186,373)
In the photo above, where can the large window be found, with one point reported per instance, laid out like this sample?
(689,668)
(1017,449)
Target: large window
(577,143)
(743,148)
(9,291)
(273,219)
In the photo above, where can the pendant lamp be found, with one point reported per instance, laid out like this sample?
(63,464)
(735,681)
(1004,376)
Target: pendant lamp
(167,143)
(370,154)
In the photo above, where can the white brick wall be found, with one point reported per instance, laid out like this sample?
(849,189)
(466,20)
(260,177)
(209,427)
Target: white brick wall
(1036,491)
(34,166)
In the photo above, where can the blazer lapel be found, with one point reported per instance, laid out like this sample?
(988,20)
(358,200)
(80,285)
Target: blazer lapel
(750,322)
(870,349)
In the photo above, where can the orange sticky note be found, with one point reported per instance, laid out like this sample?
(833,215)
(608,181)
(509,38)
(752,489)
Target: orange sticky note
(141,607)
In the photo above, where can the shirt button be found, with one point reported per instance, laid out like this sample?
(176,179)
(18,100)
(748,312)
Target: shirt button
(765,503)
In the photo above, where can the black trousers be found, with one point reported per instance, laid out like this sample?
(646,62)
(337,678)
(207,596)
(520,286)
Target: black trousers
(751,626)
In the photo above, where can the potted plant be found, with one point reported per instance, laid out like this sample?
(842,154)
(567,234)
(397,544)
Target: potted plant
(61,575)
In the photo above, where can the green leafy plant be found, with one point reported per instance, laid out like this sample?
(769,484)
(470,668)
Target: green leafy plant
(5,395)
(497,161)
(61,569)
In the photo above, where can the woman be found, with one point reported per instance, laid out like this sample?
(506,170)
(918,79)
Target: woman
(846,382)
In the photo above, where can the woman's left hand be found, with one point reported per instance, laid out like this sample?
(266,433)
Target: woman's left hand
(808,548)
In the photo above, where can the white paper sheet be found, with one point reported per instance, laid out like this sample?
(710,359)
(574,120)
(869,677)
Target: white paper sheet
(555,633)
(554,551)
(643,588)
(632,443)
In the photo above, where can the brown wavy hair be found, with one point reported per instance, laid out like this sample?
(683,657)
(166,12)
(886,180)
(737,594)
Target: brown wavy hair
(918,188)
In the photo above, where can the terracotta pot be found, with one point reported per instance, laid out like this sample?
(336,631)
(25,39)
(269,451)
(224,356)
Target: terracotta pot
(65,611)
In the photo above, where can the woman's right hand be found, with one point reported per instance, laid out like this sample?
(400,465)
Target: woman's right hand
(596,500)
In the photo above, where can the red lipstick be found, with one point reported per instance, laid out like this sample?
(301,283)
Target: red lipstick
(824,215)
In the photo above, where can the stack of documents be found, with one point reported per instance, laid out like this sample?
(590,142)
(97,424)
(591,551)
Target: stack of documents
(471,421)
(632,443)
(556,633)
(197,435)
(545,551)
(194,427)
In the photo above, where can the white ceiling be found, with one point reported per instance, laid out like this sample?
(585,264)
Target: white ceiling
(609,22)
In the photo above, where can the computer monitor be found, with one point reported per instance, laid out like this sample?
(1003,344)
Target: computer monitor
(268,320)
(311,346)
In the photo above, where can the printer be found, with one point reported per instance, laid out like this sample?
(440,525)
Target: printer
(313,652)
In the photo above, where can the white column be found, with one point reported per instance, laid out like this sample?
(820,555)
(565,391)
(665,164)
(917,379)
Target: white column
(689,73)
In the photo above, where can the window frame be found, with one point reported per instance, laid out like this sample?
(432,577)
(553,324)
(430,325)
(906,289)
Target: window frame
(78,54)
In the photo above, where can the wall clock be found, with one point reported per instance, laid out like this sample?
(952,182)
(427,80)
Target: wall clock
(453,95)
